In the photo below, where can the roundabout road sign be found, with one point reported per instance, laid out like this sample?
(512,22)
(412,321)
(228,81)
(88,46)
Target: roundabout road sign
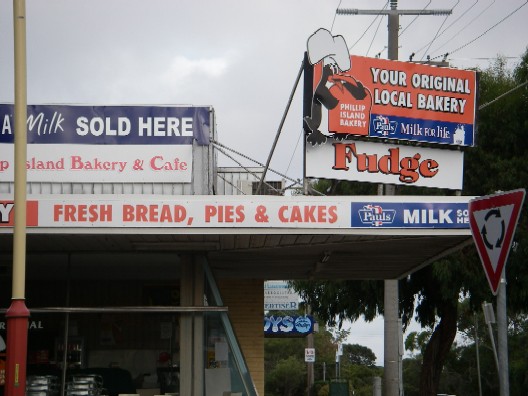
(493,219)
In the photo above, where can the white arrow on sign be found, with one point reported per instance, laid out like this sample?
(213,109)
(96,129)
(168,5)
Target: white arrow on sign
(493,219)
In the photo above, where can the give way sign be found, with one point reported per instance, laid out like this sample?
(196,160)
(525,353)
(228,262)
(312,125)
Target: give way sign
(493,219)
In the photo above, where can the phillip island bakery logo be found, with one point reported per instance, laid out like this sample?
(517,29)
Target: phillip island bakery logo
(376,216)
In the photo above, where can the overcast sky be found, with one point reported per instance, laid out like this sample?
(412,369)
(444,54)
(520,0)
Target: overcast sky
(240,56)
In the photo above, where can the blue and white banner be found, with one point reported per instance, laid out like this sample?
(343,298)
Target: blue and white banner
(139,125)
(99,144)
(287,326)
(409,215)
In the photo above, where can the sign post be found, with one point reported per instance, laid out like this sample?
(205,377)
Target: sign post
(309,355)
(493,220)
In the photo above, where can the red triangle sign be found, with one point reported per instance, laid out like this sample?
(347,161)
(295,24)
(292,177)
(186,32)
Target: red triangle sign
(493,219)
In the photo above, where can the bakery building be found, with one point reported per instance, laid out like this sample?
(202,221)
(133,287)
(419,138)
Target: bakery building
(146,261)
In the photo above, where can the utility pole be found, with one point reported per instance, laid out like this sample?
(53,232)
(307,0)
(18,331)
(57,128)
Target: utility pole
(502,337)
(391,315)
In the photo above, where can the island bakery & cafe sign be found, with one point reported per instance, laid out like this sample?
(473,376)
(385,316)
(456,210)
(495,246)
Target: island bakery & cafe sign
(69,143)
(353,102)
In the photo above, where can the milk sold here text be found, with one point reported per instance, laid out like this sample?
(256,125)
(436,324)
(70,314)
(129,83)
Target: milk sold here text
(139,125)
(104,126)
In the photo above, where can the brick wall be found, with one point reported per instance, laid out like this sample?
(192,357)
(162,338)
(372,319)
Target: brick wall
(245,300)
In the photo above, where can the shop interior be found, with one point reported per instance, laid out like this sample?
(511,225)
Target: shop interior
(124,331)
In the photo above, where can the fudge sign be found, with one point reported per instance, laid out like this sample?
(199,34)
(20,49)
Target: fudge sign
(348,98)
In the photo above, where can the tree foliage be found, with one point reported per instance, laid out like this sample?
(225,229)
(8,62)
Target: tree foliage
(286,371)
(431,295)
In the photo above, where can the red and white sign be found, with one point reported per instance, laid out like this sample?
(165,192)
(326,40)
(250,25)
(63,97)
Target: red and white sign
(386,163)
(493,220)
(208,212)
(102,163)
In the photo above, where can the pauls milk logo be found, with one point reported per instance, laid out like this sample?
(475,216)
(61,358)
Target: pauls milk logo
(383,126)
(376,216)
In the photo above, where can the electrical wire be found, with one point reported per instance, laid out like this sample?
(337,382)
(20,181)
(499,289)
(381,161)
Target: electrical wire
(492,27)
(503,95)
(335,15)
(375,33)
(367,29)
(414,19)
(295,150)
(432,41)
(456,20)
(466,26)
(437,33)
(485,32)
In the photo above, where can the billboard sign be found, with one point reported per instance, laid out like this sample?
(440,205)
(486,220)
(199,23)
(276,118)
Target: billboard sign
(294,325)
(401,215)
(386,99)
(386,163)
(220,212)
(106,143)
(279,296)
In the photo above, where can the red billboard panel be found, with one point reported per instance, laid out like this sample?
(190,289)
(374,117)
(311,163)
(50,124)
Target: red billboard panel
(380,98)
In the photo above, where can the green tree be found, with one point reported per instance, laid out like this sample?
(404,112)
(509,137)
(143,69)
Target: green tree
(280,352)
(287,378)
(359,355)
(432,293)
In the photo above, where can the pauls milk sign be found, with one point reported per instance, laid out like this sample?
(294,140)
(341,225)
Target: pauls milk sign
(350,97)
(106,143)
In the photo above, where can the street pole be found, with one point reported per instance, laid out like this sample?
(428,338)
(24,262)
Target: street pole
(17,314)
(502,337)
(310,365)
(478,356)
(391,373)
(489,318)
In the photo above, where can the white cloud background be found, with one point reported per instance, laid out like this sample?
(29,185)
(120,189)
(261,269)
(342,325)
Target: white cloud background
(241,57)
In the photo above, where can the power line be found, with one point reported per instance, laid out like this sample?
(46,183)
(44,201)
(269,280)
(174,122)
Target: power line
(375,33)
(335,15)
(465,26)
(415,18)
(295,150)
(503,95)
(437,33)
(486,31)
(392,13)
(432,41)
(368,28)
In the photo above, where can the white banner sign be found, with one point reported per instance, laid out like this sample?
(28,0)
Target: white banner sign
(101,163)
(386,163)
(333,213)
(279,296)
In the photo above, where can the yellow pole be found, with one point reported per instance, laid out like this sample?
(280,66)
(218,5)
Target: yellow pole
(19,243)
(17,315)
